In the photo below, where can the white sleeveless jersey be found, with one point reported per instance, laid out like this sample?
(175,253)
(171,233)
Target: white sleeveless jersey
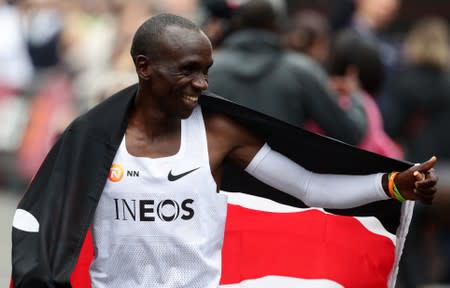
(160,222)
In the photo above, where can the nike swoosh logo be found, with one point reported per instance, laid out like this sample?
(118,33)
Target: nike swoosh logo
(172,177)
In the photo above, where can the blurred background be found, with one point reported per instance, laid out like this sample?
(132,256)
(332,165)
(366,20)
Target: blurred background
(59,58)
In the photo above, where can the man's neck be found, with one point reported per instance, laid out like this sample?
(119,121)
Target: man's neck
(152,121)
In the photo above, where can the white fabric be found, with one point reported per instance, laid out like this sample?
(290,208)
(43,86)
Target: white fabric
(402,232)
(25,221)
(171,232)
(316,190)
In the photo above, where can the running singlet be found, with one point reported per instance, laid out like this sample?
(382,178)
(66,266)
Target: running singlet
(160,222)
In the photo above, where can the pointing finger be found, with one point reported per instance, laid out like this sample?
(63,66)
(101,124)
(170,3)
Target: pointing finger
(425,166)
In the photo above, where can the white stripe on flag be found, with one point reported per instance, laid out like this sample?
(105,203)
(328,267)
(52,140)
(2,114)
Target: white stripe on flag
(285,282)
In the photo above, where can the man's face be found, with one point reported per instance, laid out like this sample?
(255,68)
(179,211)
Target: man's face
(180,74)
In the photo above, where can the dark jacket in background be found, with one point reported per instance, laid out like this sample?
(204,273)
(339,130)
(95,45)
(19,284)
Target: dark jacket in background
(418,112)
(252,69)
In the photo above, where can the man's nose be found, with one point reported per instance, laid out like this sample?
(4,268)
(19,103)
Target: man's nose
(200,82)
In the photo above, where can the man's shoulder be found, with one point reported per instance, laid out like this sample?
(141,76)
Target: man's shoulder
(303,63)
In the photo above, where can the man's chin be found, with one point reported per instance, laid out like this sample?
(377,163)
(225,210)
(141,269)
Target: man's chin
(186,114)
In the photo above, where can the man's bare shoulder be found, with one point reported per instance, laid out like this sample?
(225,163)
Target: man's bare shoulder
(219,122)
(221,126)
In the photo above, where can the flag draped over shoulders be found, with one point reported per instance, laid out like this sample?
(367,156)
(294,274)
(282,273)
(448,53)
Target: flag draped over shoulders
(275,240)
(271,238)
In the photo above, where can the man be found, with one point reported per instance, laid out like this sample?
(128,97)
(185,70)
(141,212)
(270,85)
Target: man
(172,153)
(308,32)
(252,68)
(368,20)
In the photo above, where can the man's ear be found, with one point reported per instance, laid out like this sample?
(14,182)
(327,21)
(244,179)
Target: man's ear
(143,67)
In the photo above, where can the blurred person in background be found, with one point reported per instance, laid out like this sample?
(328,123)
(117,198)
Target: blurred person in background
(32,53)
(340,14)
(51,101)
(417,115)
(16,76)
(253,69)
(216,20)
(418,107)
(130,14)
(185,8)
(370,19)
(88,43)
(16,69)
(112,24)
(355,65)
(78,72)
(371,16)
(307,32)
(43,24)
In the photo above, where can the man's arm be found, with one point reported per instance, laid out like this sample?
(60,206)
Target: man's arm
(249,152)
(227,140)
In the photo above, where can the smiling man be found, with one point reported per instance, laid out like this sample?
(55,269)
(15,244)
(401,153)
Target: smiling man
(143,169)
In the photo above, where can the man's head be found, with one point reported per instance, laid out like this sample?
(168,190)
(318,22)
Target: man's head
(355,60)
(172,57)
(147,38)
(259,14)
(377,13)
(308,32)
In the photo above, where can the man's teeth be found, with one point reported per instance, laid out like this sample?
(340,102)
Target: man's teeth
(191,98)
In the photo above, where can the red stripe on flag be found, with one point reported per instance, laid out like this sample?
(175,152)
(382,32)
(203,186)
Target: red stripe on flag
(80,276)
(308,245)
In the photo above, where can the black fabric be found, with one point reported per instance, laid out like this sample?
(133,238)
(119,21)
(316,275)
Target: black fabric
(65,192)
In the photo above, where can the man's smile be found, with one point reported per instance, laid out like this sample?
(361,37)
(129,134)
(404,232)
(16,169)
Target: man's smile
(190,99)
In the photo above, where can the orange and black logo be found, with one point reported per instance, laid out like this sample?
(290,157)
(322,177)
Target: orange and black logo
(116,173)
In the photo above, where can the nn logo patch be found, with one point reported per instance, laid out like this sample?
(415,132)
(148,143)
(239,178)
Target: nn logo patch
(132,173)
(116,173)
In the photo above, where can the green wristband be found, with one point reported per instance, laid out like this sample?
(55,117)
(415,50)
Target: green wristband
(398,195)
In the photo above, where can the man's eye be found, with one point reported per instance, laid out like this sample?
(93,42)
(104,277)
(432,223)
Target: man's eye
(187,69)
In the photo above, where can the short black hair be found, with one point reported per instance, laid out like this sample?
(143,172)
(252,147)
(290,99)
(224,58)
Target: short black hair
(147,37)
(351,49)
(259,14)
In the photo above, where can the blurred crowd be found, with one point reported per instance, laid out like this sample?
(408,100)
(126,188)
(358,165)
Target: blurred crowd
(338,72)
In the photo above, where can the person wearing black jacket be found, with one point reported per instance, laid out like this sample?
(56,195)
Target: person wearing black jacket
(252,68)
